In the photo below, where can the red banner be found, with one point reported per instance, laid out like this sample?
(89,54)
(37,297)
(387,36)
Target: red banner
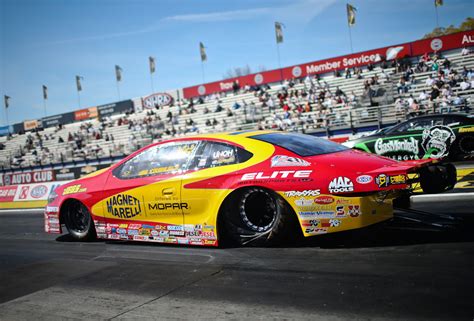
(410,49)
(7,193)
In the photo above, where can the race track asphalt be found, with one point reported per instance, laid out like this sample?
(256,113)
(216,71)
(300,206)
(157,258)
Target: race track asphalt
(394,271)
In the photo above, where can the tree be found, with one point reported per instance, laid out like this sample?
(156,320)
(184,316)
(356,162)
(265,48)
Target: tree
(467,24)
(238,72)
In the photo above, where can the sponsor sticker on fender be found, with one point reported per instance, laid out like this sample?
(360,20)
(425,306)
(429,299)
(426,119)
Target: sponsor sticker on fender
(73,189)
(287,161)
(364,179)
(383,180)
(341,184)
(324,200)
(304,193)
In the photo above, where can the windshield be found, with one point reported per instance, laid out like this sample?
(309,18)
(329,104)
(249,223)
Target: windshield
(303,145)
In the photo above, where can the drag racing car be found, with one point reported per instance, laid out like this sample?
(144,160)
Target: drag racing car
(244,188)
(437,136)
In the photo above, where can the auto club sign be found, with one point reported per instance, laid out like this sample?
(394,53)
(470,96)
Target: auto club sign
(28,177)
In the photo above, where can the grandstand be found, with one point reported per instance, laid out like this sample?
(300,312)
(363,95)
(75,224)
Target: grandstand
(327,105)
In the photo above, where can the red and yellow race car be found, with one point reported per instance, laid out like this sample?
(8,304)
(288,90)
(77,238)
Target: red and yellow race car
(256,188)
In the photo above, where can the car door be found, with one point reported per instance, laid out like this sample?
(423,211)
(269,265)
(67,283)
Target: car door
(202,194)
(405,141)
(146,190)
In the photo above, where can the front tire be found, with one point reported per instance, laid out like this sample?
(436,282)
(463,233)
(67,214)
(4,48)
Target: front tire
(256,217)
(79,222)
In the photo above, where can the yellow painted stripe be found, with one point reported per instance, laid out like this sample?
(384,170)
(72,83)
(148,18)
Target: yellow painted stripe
(461,173)
(30,204)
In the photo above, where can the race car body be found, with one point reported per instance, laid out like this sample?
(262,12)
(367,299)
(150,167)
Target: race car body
(438,136)
(244,187)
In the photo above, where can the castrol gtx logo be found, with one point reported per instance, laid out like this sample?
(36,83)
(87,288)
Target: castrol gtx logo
(341,184)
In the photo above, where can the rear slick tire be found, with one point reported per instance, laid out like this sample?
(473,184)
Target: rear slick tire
(257,217)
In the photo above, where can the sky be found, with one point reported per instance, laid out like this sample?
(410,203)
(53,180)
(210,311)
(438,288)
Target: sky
(51,41)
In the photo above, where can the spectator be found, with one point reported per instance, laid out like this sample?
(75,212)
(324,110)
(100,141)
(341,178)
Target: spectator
(402,87)
(465,51)
(423,96)
(430,81)
(465,85)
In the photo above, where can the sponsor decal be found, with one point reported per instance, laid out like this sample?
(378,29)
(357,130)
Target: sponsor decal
(466,130)
(287,161)
(157,100)
(310,223)
(167,206)
(334,223)
(353,210)
(175,228)
(364,179)
(183,241)
(319,214)
(312,230)
(315,192)
(52,209)
(132,232)
(144,231)
(176,233)
(223,154)
(341,184)
(383,180)
(73,189)
(409,145)
(437,141)
(303,202)
(140,238)
(324,200)
(277,174)
(340,212)
(123,206)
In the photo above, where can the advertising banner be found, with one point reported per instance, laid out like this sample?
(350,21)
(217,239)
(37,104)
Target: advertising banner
(35,192)
(7,193)
(115,108)
(410,49)
(17,128)
(4,130)
(61,119)
(86,113)
(28,177)
(30,124)
(157,100)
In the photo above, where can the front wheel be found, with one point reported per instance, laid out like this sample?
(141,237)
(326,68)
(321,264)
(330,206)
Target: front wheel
(78,222)
(256,216)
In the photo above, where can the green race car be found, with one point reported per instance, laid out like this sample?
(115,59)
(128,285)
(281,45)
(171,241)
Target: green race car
(439,136)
